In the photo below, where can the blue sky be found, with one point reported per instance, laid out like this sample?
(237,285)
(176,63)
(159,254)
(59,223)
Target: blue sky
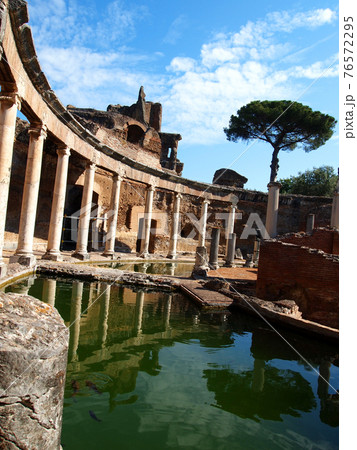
(202,61)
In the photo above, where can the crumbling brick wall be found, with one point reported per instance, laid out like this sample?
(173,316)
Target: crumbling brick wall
(323,239)
(308,276)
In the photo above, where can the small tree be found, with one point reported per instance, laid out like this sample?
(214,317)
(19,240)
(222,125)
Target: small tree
(320,181)
(284,124)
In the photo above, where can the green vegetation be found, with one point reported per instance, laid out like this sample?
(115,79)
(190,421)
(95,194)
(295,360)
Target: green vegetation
(321,181)
(284,124)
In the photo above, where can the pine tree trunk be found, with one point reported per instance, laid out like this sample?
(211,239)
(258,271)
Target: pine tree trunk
(274,166)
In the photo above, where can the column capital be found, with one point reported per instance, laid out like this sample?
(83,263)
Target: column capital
(90,165)
(206,201)
(38,130)
(274,184)
(178,195)
(63,150)
(151,188)
(12,98)
(117,177)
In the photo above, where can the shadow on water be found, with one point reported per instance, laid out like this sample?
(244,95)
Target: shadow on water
(151,370)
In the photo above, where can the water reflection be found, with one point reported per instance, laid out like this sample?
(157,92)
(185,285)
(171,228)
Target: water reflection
(175,376)
(166,268)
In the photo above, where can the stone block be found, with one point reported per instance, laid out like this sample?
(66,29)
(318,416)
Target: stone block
(33,359)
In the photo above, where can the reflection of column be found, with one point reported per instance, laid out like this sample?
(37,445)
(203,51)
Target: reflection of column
(114,206)
(175,227)
(104,313)
(203,223)
(75,319)
(323,380)
(172,267)
(9,103)
(230,225)
(147,222)
(271,223)
(58,200)
(213,254)
(258,375)
(49,291)
(91,294)
(24,252)
(168,311)
(84,218)
(24,287)
(139,308)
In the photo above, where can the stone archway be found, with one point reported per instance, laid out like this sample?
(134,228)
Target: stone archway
(72,208)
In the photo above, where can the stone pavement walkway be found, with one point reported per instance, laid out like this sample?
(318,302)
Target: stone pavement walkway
(234,273)
(204,297)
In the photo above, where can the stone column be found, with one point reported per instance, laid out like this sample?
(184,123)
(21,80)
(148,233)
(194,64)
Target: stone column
(140,297)
(213,254)
(33,360)
(272,209)
(24,252)
(175,227)
(335,211)
(256,250)
(49,291)
(231,250)
(84,218)
(113,219)
(201,260)
(58,200)
(9,104)
(230,225)
(203,223)
(147,222)
(75,320)
(310,223)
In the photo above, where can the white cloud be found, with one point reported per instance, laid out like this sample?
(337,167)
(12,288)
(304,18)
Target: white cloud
(234,69)
(180,64)
(198,95)
(176,29)
(69,23)
(285,21)
(316,70)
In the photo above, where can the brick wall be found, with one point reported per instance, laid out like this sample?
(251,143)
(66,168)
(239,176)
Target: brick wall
(308,276)
(321,239)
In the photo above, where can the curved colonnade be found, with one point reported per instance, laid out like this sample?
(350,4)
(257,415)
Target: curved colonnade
(24,87)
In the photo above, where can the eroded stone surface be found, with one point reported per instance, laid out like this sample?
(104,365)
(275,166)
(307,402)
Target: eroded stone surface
(33,357)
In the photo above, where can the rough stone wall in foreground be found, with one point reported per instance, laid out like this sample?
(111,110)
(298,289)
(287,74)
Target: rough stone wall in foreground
(33,360)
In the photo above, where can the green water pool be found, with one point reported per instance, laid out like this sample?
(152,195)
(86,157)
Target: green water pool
(158,268)
(149,370)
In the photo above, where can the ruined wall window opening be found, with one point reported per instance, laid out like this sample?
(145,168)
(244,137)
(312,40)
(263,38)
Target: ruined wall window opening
(135,134)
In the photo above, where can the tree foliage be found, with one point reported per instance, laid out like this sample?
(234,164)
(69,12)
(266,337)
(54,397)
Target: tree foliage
(320,181)
(284,124)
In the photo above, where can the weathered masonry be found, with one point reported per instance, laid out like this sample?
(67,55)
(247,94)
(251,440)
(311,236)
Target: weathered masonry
(110,174)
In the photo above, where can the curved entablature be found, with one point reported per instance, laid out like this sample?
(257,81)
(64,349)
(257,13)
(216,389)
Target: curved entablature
(40,104)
